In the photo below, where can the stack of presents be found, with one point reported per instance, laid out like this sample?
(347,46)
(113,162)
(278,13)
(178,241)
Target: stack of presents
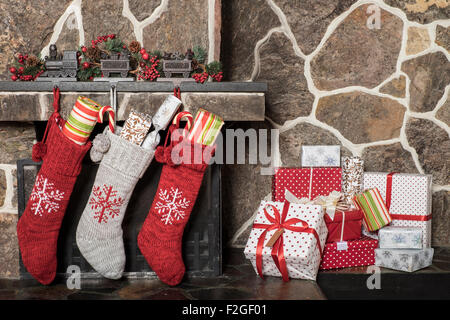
(330,214)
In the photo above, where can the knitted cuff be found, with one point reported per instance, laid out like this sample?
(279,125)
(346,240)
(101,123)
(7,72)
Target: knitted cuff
(186,154)
(63,156)
(127,157)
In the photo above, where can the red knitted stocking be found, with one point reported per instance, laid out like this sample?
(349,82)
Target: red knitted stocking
(160,237)
(38,227)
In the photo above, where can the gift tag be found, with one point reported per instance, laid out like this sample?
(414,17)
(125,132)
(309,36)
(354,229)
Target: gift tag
(274,238)
(341,245)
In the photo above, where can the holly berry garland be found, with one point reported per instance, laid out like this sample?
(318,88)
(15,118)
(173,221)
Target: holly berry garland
(26,67)
(201,71)
(145,65)
(89,56)
(148,65)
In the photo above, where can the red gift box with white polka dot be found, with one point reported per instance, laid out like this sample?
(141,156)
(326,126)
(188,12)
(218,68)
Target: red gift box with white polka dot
(298,182)
(353,253)
(300,249)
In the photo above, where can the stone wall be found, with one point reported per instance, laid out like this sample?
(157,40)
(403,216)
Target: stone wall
(334,77)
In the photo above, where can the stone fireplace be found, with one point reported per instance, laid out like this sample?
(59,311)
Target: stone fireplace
(381,93)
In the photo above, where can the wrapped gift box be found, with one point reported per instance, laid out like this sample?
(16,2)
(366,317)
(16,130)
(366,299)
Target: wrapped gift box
(375,212)
(408,260)
(354,253)
(346,225)
(298,243)
(305,182)
(409,199)
(392,237)
(352,177)
(321,156)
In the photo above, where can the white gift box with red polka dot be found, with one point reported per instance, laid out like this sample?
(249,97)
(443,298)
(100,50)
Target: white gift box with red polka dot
(354,253)
(306,182)
(300,249)
(411,196)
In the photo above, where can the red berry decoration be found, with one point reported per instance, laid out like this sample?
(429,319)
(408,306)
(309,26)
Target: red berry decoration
(85,65)
(83,48)
(13,77)
(21,70)
(145,56)
(12,70)
(142,51)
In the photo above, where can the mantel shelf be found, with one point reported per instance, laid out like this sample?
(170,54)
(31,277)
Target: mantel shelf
(135,86)
(233,101)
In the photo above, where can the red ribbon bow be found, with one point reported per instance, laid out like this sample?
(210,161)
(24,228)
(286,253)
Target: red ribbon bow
(280,222)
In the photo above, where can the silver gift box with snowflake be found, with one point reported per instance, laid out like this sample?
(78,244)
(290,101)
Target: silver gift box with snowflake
(392,237)
(321,156)
(408,260)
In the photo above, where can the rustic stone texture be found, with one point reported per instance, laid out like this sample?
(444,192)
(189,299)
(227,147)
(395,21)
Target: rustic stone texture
(69,38)
(9,247)
(396,87)
(432,144)
(19,107)
(429,75)
(3,187)
(67,101)
(230,106)
(362,117)
(443,37)
(418,40)
(441,219)
(309,19)
(182,26)
(422,11)
(388,158)
(147,103)
(443,113)
(217,29)
(243,189)
(355,55)
(14,198)
(143,9)
(26,27)
(103,17)
(291,142)
(244,24)
(16,141)
(288,96)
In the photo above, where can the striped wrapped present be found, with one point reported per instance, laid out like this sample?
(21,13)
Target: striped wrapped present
(206,127)
(82,120)
(375,213)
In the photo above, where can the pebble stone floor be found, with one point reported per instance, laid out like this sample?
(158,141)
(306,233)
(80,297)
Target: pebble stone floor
(239,281)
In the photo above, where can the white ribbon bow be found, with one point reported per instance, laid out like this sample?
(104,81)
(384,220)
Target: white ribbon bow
(329,203)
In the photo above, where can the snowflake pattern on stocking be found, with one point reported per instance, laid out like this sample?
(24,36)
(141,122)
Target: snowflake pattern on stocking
(172,205)
(105,200)
(45,197)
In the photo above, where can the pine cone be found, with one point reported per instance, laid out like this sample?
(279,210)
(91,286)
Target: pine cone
(93,54)
(32,61)
(134,46)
